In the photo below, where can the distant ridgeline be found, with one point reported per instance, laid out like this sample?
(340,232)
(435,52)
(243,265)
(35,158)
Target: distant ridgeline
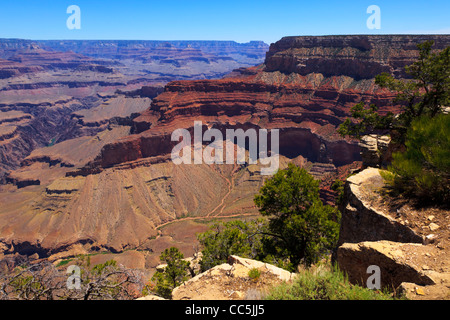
(252,52)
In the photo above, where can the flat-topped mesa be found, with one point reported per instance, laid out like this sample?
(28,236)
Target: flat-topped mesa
(357,56)
(361,42)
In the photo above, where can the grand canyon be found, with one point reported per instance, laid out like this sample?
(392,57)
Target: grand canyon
(85,133)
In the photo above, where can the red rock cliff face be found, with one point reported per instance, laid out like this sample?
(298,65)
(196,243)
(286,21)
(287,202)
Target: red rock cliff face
(360,57)
(305,88)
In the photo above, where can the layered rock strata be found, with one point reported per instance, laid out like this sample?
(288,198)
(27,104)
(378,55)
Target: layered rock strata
(305,88)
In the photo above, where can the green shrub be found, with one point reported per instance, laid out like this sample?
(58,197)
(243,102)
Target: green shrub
(423,170)
(296,226)
(63,262)
(323,284)
(254,274)
(231,238)
(338,187)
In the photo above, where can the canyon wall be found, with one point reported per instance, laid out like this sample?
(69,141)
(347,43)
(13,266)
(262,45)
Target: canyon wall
(68,89)
(305,88)
(123,188)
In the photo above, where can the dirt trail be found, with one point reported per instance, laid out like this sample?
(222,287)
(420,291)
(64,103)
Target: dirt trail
(230,188)
(204,218)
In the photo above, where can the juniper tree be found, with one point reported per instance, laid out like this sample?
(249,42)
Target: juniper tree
(301,227)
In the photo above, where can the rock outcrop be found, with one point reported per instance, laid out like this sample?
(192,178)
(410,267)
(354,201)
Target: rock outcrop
(396,262)
(363,219)
(231,281)
(375,150)
(411,254)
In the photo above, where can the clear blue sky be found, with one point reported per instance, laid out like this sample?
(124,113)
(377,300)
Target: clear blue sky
(238,20)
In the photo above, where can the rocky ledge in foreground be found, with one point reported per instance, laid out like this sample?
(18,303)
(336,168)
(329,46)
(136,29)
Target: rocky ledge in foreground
(410,246)
(231,281)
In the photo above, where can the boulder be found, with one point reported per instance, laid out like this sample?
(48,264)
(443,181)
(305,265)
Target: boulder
(376,235)
(282,274)
(396,263)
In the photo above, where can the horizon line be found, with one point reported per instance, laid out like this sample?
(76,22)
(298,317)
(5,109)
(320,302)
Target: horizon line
(235,41)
